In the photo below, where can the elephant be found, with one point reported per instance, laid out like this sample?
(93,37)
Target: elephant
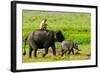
(69,46)
(40,39)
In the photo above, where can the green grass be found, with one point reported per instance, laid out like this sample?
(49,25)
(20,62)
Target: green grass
(75,26)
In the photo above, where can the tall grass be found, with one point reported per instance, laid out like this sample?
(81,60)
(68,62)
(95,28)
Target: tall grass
(75,26)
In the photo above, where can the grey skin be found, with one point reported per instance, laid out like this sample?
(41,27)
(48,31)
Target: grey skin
(69,46)
(40,39)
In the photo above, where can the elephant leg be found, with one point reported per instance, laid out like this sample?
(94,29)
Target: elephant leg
(69,51)
(62,52)
(72,51)
(54,50)
(30,52)
(46,52)
(65,52)
(35,52)
(33,46)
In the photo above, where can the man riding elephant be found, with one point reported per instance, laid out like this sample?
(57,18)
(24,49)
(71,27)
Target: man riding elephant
(43,24)
(40,39)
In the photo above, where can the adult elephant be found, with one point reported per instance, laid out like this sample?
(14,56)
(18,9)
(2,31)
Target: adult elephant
(40,39)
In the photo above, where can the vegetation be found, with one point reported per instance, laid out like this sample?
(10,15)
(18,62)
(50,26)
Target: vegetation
(75,26)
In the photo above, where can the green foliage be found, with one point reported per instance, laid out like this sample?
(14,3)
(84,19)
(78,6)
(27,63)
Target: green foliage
(75,26)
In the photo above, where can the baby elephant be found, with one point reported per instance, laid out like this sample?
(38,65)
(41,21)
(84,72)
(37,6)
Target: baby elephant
(69,46)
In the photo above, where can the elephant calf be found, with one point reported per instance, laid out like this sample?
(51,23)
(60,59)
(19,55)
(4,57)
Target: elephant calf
(69,46)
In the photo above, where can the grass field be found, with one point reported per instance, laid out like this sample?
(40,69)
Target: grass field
(75,26)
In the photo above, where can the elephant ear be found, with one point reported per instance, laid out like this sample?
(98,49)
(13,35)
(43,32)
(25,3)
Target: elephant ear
(59,36)
(58,32)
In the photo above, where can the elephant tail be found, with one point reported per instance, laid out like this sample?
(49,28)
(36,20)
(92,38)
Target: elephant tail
(24,53)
